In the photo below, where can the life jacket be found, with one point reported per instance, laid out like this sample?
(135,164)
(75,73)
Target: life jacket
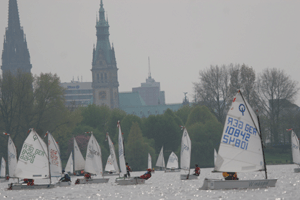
(197,170)
(128,168)
(146,176)
(30,182)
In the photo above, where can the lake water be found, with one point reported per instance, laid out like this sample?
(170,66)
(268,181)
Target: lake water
(162,186)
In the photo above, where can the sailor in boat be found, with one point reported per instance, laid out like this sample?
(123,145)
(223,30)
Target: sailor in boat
(7,177)
(66,177)
(87,176)
(147,175)
(197,170)
(28,181)
(230,176)
(128,169)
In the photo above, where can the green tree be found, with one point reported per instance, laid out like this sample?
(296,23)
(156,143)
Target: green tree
(183,113)
(96,116)
(137,149)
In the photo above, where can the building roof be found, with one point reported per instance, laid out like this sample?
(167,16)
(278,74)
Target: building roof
(129,99)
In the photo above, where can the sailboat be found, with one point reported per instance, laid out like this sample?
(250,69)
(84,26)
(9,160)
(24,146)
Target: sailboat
(33,163)
(160,160)
(172,164)
(54,160)
(185,156)
(111,167)
(295,151)
(215,156)
(69,166)
(12,158)
(79,162)
(93,163)
(3,171)
(125,180)
(241,149)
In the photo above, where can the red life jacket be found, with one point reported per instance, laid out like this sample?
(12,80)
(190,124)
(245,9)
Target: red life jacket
(146,176)
(197,170)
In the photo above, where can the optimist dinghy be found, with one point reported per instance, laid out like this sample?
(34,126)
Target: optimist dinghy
(93,163)
(125,180)
(55,161)
(295,150)
(185,156)
(111,167)
(241,149)
(172,165)
(33,163)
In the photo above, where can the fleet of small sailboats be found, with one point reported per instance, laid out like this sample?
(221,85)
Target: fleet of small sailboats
(295,150)
(241,149)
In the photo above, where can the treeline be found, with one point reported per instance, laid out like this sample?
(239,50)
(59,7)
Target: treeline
(272,93)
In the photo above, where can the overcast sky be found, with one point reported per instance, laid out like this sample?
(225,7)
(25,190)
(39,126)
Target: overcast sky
(181,37)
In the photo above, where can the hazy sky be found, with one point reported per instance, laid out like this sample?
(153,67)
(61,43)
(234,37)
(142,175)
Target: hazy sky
(181,37)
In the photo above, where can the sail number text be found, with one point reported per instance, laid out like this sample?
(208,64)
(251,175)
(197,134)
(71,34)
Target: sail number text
(238,134)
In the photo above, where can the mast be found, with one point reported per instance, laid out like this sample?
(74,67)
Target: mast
(262,146)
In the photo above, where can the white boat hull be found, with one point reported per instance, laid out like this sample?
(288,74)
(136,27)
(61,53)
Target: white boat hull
(297,170)
(113,174)
(130,181)
(188,177)
(172,170)
(19,186)
(63,184)
(218,184)
(92,180)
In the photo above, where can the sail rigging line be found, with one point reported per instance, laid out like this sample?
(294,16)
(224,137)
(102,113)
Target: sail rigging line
(47,153)
(259,132)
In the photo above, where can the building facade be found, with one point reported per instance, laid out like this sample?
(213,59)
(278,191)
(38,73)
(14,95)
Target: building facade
(104,66)
(77,94)
(15,54)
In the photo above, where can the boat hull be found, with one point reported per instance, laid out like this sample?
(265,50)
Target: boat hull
(113,174)
(188,177)
(63,184)
(18,186)
(172,170)
(130,181)
(297,170)
(91,181)
(218,184)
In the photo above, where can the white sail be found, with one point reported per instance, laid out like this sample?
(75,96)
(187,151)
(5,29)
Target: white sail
(93,162)
(12,157)
(54,156)
(112,155)
(78,158)
(172,161)
(69,166)
(149,161)
(3,168)
(121,152)
(33,160)
(160,160)
(215,156)
(240,147)
(295,148)
(109,167)
(185,153)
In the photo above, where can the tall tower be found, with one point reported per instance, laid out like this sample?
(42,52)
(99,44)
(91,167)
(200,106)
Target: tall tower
(104,66)
(15,54)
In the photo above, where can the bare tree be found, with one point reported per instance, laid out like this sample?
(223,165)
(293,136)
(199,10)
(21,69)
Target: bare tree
(276,92)
(212,90)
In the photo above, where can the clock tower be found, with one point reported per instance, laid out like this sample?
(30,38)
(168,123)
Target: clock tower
(104,66)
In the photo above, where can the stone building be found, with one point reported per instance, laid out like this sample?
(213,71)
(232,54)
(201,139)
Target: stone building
(15,54)
(104,66)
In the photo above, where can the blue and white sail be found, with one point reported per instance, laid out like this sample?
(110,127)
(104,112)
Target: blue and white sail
(295,148)
(186,149)
(12,157)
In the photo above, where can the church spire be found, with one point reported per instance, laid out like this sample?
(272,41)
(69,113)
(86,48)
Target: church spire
(15,54)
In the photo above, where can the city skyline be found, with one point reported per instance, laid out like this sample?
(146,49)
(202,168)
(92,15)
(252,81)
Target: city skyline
(181,38)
